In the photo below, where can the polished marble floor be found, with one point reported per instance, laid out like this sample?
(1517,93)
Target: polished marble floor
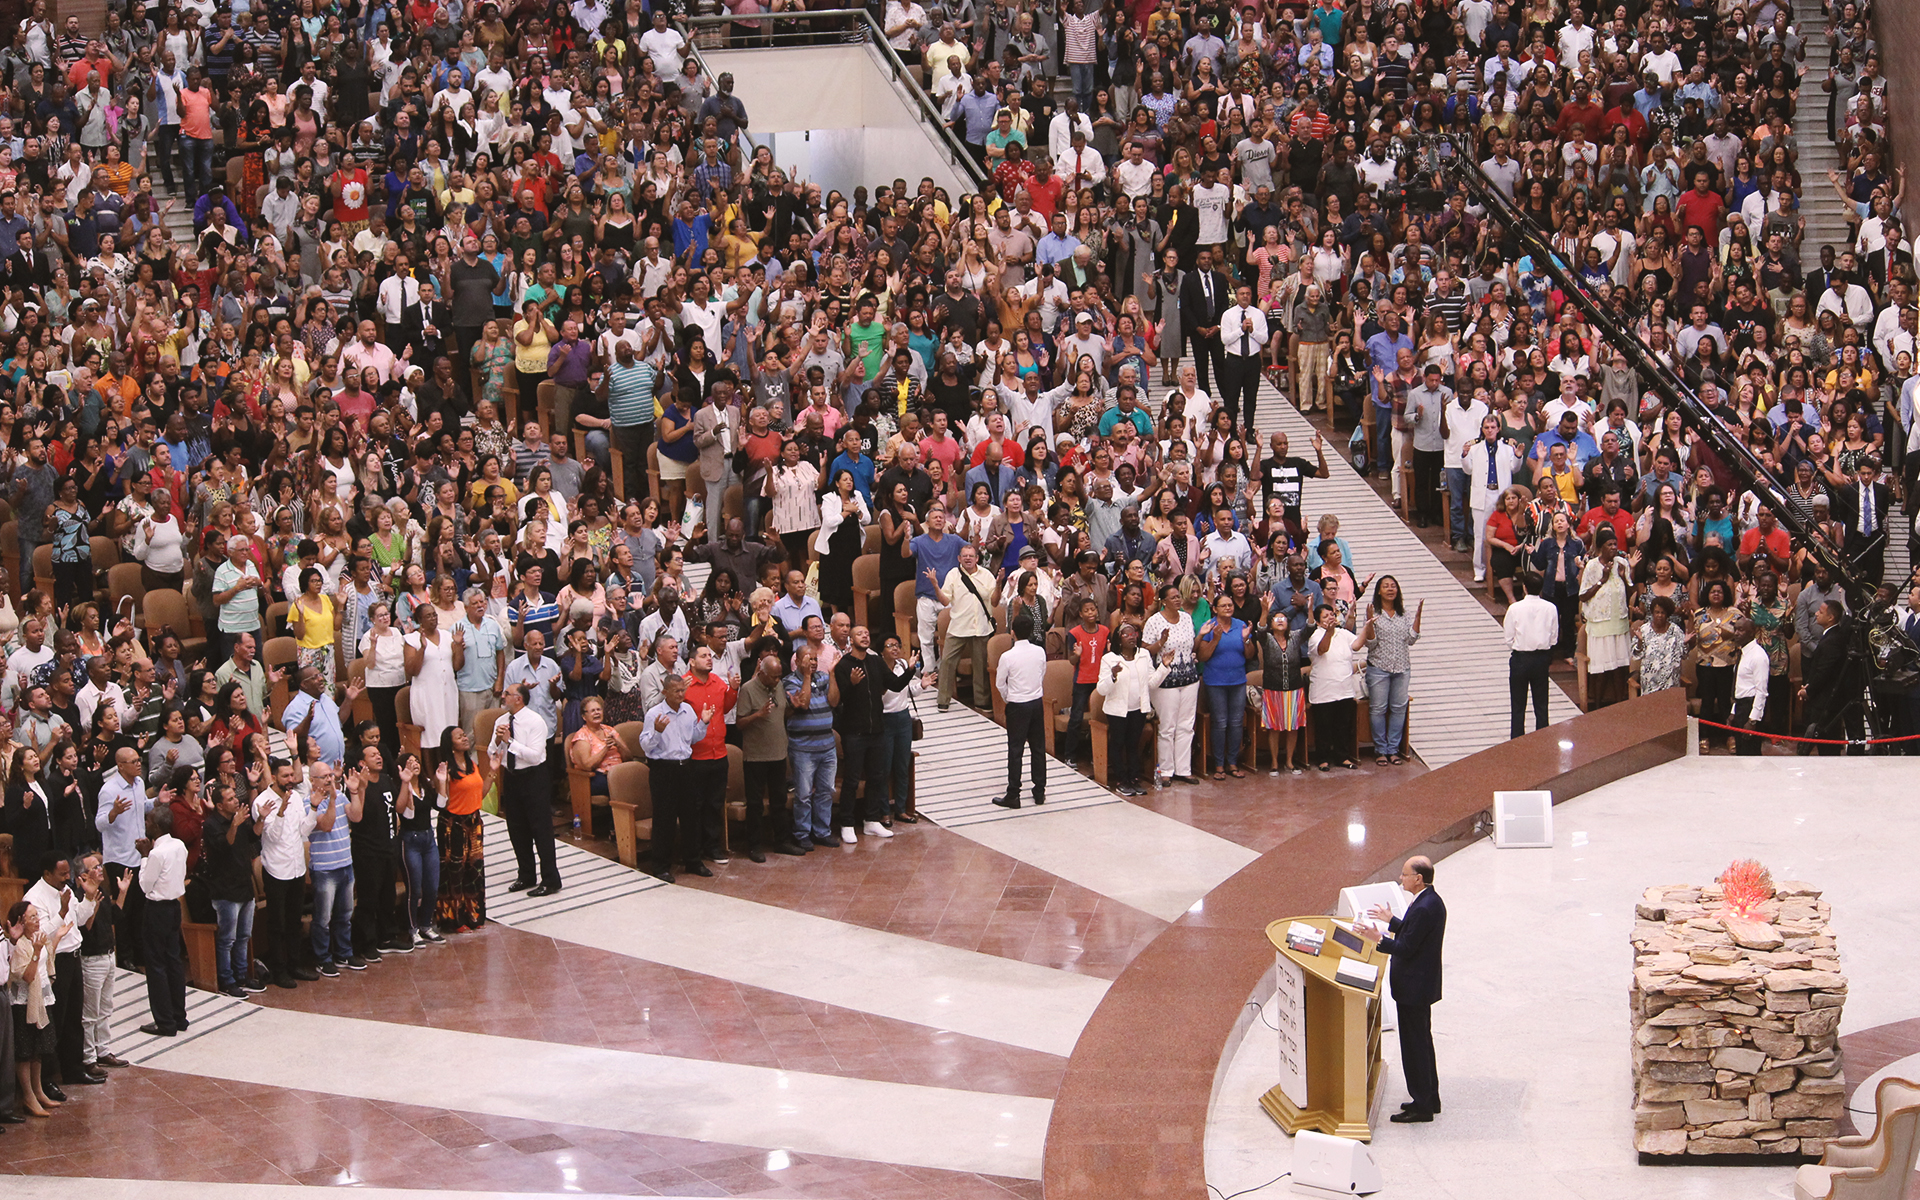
(1532,1033)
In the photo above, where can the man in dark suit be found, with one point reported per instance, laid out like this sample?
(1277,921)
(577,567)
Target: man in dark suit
(1413,942)
(1828,686)
(1204,295)
(1867,528)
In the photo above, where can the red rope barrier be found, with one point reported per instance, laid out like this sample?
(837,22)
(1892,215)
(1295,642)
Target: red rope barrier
(1781,737)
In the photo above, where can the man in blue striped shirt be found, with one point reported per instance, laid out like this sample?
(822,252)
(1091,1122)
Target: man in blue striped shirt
(628,386)
(811,698)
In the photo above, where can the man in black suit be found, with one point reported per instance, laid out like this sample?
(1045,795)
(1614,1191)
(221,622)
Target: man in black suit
(1413,942)
(1828,686)
(1204,295)
(1867,529)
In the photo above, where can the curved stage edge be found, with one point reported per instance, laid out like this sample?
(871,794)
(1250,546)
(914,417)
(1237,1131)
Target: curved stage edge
(1131,1115)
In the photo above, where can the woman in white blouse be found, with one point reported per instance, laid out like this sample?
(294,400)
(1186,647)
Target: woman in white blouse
(1330,689)
(160,545)
(384,648)
(1126,683)
(1176,692)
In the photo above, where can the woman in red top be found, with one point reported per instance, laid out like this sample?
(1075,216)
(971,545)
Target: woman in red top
(233,721)
(1086,646)
(1505,540)
(350,195)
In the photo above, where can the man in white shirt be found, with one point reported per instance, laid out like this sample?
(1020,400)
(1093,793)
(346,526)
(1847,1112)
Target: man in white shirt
(1659,61)
(1230,547)
(937,53)
(1750,678)
(904,21)
(1845,298)
(1487,465)
(1460,425)
(664,45)
(20,664)
(1214,199)
(526,794)
(1079,165)
(1060,129)
(1133,176)
(282,819)
(1532,628)
(163,881)
(1021,677)
(62,913)
(1243,337)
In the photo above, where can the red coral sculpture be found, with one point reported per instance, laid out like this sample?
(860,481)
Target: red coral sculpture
(1747,885)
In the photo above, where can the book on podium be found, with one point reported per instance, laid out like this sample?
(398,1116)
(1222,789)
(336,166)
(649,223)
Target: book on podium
(1329,1017)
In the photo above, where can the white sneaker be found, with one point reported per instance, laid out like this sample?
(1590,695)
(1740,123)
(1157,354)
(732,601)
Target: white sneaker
(849,834)
(1479,578)
(876,829)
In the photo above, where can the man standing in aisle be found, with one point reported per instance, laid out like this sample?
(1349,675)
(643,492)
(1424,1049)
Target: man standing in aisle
(667,735)
(1751,676)
(1203,297)
(969,624)
(1413,942)
(163,879)
(526,796)
(859,719)
(707,691)
(1021,678)
(1532,629)
(1243,337)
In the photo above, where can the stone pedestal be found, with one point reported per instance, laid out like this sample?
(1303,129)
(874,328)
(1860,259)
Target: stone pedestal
(1735,1026)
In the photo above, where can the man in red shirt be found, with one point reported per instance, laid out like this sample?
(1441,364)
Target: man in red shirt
(1609,513)
(707,769)
(1044,188)
(1624,114)
(1701,206)
(1581,111)
(1767,533)
(1086,646)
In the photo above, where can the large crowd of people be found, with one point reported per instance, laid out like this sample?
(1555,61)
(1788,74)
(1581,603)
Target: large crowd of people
(504,366)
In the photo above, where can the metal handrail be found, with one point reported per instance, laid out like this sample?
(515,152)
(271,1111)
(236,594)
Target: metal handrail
(875,36)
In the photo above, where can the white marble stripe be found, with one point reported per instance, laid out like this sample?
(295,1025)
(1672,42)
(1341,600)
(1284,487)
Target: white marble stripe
(206,1012)
(904,1124)
(886,974)
(60,1187)
(585,879)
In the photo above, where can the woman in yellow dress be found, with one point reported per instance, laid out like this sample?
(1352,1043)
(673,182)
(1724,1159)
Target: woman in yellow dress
(313,616)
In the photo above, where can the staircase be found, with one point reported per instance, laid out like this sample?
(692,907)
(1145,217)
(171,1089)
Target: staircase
(1826,216)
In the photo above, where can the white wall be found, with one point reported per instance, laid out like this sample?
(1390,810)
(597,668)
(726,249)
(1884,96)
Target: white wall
(837,117)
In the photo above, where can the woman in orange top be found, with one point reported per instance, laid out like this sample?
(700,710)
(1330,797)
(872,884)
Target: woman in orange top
(457,790)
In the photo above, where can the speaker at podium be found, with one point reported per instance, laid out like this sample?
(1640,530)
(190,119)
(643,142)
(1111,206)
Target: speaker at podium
(1354,904)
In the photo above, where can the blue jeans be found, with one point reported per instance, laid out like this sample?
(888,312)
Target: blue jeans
(198,155)
(1083,83)
(896,761)
(1387,709)
(812,793)
(1227,711)
(420,855)
(1457,526)
(232,940)
(333,915)
(1381,452)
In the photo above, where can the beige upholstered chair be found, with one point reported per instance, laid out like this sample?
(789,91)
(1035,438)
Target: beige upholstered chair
(1870,1168)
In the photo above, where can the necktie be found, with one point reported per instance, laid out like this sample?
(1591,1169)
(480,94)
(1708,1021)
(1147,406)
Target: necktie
(1206,285)
(1493,481)
(1246,335)
(1077,160)
(1866,511)
(510,758)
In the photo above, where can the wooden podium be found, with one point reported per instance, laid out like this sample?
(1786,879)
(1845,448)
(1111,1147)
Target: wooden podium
(1329,1036)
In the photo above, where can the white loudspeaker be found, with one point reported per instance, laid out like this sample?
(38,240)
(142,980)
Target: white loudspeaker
(1332,1166)
(1523,820)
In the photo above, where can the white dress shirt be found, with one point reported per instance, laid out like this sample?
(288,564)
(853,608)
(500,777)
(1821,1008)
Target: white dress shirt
(283,840)
(1022,673)
(524,743)
(1243,330)
(46,897)
(1750,678)
(1532,624)
(163,872)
